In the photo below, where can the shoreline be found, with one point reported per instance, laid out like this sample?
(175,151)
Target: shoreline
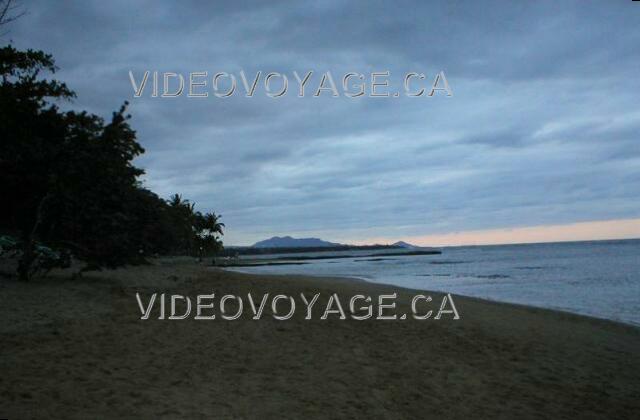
(87,348)
(438,292)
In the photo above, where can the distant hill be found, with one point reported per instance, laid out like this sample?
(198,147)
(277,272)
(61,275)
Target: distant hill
(289,242)
(403,244)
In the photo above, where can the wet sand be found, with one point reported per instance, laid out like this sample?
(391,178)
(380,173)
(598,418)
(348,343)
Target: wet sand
(78,349)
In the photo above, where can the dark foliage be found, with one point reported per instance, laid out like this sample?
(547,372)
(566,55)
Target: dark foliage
(68,179)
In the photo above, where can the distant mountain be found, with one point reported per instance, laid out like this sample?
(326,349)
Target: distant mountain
(404,244)
(289,242)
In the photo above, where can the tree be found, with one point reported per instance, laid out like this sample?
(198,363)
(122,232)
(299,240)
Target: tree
(68,179)
(28,150)
(68,174)
(207,230)
(194,233)
(8,12)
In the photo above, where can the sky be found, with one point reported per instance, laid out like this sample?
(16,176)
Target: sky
(539,141)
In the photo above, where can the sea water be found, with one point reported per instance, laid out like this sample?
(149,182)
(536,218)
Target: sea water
(599,278)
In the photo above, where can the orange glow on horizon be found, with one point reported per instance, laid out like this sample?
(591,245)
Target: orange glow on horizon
(583,231)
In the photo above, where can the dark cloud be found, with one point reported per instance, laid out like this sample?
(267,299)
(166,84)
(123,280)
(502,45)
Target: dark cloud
(542,127)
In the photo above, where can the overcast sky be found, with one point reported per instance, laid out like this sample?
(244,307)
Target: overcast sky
(543,127)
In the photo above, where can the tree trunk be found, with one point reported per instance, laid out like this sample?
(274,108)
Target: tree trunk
(28,243)
(27,258)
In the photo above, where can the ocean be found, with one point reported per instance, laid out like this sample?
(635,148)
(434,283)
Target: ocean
(598,278)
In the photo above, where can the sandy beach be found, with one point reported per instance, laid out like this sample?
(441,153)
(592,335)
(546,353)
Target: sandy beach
(78,349)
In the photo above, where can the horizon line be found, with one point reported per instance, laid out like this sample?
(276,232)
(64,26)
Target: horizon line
(598,230)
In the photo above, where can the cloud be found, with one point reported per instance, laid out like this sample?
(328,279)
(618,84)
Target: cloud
(541,128)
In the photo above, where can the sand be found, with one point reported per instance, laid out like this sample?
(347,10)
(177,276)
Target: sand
(78,349)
